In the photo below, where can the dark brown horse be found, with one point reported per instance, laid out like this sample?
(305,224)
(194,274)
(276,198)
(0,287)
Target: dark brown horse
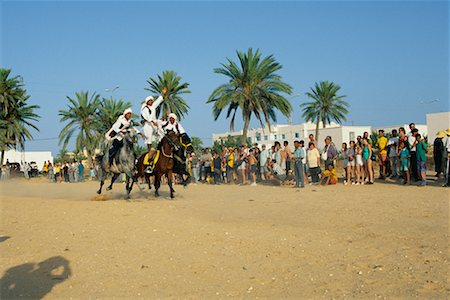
(164,166)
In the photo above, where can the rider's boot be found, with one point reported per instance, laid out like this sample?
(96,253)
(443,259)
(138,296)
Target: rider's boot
(149,168)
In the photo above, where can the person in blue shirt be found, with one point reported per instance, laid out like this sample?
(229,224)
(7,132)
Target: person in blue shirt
(80,172)
(299,154)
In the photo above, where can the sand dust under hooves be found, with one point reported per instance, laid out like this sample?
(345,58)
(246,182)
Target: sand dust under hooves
(384,240)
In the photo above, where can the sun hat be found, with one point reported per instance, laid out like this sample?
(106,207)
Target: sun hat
(441,134)
(447,131)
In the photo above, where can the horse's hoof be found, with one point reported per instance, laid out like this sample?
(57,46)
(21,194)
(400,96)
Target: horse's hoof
(156,195)
(99,192)
(109,188)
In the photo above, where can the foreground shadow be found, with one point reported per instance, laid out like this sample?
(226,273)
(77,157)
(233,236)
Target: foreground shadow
(34,280)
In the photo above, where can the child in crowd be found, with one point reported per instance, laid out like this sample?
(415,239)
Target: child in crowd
(404,162)
(351,153)
(330,175)
(421,151)
(359,164)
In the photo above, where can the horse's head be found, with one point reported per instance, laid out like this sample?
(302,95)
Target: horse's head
(131,136)
(185,141)
(173,139)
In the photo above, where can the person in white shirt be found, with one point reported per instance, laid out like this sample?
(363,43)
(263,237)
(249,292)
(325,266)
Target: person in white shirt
(117,132)
(392,153)
(170,124)
(264,160)
(148,115)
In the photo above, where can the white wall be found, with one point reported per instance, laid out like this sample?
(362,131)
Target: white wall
(28,156)
(437,122)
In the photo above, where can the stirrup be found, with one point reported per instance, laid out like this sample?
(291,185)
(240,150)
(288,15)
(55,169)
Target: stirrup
(148,170)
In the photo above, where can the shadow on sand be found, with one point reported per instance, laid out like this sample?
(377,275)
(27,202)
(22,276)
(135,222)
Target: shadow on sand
(34,280)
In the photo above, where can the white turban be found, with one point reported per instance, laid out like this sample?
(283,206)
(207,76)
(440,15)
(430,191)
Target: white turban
(128,110)
(149,98)
(172,115)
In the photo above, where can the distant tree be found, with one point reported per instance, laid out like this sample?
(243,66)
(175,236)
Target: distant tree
(16,115)
(173,100)
(197,144)
(254,88)
(82,114)
(230,141)
(326,105)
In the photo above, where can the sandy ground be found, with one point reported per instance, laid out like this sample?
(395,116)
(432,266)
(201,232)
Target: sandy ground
(385,240)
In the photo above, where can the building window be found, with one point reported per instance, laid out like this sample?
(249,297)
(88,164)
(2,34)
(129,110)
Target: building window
(283,136)
(352,135)
(297,135)
(275,137)
(266,138)
(258,138)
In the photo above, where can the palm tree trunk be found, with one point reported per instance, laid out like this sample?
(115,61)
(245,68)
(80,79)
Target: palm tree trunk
(89,158)
(317,130)
(245,129)
(2,158)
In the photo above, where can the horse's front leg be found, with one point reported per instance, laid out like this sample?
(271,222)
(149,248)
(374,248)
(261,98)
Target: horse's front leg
(157,184)
(129,186)
(114,177)
(169,182)
(102,182)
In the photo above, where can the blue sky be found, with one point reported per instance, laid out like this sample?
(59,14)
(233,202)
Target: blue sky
(387,56)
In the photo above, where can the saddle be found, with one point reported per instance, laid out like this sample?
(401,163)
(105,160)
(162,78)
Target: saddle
(155,159)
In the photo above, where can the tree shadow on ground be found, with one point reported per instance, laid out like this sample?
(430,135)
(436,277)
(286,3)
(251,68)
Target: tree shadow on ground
(34,280)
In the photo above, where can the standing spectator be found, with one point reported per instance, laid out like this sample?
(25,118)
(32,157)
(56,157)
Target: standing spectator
(404,162)
(230,165)
(313,161)
(243,165)
(382,153)
(299,155)
(421,151)
(351,153)
(305,165)
(253,165)
(412,148)
(313,140)
(26,170)
(392,153)
(217,163)
(194,167)
(359,163)
(66,172)
(264,162)
(279,156)
(447,168)
(330,152)
(57,172)
(74,171)
(206,159)
(288,155)
(345,156)
(51,172)
(80,171)
(439,153)
(367,154)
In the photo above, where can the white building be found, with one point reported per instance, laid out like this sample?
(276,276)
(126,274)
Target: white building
(290,133)
(437,122)
(28,156)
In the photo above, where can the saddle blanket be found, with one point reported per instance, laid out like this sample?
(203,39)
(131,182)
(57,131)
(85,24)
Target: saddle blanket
(155,159)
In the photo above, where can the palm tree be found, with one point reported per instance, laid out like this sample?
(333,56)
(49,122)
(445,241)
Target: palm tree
(253,87)
(173,102)
(16,114)
(326,105)
(197,144)
(82,114)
